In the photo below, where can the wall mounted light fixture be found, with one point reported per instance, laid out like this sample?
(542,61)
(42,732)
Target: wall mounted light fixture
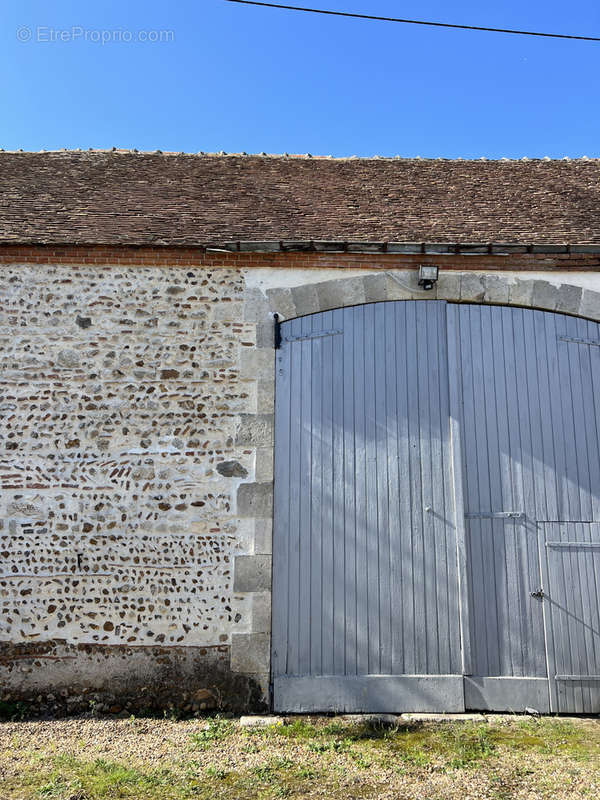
(428,275)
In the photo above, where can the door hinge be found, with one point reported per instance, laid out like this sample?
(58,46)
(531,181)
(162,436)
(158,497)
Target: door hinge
(276,331)
(495,515)
(315,335)
(584,545)
(539,594)
(577,340)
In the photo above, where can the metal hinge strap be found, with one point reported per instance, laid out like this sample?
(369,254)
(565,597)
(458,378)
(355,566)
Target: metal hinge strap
(495,515)
(316,335)
(577,677)
(576,340)
(588,545)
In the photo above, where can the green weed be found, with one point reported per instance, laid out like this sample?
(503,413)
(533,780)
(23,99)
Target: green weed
(215,731)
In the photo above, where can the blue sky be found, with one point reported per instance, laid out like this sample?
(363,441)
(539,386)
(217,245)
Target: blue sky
(237,78)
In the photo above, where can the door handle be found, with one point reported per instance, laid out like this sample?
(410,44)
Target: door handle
(539,594)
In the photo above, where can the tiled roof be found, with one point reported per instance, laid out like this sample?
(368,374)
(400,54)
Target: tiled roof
(128,198)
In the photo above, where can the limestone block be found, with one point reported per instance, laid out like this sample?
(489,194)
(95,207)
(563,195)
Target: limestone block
(263,536)
(403,286)
(497,289)
(340,293)
(250,653)
(569,299)
(545,295)
(252,573)
(261,612)
(265,332)
(281,301)
(255,500)
(306,299)
(264,464)
(375,287)
(472,289)
(256,305)
(590,304)
(521,292)
(448,285)
(265,396)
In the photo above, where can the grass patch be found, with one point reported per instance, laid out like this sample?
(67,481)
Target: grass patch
(311,758)
(459,745)
(451,746)
(547,737)
(69,778)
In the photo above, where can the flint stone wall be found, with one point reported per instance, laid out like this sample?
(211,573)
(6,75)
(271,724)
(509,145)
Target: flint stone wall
(121,395)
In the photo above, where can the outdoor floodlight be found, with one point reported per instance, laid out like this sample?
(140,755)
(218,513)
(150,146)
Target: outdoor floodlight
(428,275)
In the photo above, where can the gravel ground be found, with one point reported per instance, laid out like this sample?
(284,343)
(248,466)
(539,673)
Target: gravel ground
(86,759)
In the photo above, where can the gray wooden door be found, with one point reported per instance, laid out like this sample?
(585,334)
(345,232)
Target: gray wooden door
(365,579)
(570,533)
(530,383)
(437,510)
(572,595)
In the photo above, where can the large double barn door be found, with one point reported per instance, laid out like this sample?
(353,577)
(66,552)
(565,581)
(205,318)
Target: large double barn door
(437,480)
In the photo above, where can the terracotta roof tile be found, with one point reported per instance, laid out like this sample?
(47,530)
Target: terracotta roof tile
(126,198)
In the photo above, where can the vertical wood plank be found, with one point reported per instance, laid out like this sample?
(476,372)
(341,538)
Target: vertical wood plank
(384,437)
(405,648)
(456,424)
(328,554)
(305,500)
(392,368)
(315,554)
(360,428)
(350,513)
(339,500)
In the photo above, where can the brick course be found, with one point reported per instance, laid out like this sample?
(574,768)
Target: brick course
(195,256)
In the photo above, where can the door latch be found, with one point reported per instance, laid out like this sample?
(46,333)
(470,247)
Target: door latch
(539,595)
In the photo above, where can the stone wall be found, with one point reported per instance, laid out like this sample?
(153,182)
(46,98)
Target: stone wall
(136,465)
(121,393)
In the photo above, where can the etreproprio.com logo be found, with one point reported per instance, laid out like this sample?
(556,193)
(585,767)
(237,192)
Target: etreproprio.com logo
(77,33)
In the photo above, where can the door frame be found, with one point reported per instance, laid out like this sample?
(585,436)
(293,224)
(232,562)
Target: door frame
(291,293)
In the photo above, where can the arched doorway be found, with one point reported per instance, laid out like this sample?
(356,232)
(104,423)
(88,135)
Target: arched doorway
(437,510)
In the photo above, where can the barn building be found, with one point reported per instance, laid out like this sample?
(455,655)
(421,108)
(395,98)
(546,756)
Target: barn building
(309,433)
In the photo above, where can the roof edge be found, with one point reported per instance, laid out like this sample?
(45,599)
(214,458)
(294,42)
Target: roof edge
(334,246)
(403,248)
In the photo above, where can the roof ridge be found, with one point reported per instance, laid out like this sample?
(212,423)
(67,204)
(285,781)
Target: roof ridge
(294,156)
